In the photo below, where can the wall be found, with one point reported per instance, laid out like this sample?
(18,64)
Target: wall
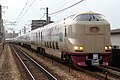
(115,40)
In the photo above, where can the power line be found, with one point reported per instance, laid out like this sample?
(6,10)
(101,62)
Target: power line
(57,3)
(66,8)
(26,11)
(64,4)
(42,17)
(22,11)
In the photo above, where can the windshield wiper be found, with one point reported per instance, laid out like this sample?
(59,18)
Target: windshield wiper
(90,18)
(95,18)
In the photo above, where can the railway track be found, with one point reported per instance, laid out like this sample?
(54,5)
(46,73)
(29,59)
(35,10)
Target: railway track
(102,73)
(34,70)
(88,71)
(99,73)
(113,68)
(111,71)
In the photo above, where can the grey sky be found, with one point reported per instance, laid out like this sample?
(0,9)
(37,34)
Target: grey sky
(109,8)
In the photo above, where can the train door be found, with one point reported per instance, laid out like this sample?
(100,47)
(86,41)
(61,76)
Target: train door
(39,39)
(65,38)
(36,39)
(65,35)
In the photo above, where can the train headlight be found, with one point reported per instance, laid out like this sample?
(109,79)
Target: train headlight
(110,47)
(81,48)
(106,47)
(76,47)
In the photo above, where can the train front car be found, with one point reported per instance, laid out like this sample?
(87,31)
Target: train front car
(89,41)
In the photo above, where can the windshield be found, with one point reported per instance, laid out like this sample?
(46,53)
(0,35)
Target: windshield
(90,17)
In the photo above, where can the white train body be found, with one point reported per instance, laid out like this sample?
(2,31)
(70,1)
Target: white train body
(83,38)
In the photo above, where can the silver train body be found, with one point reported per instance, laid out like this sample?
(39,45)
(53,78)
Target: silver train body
(82,38)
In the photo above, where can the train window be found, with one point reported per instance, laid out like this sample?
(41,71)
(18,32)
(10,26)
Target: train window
(57,45)
(115,47)
(50,44)
(36,37)
(53,45)
(61,37)
(90,17)
(99,17)
(41,34)
(45,44)
(65,33)
(83,17)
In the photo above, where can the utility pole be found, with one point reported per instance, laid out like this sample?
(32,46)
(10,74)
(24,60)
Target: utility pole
(47,18)
(1,25)
(13,35)
(20,32)
(0,12)
(24,30)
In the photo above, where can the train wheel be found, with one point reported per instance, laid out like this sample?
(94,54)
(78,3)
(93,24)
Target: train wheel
(66,57)
(40,50)
(63,56)
(43,51)
(71,62)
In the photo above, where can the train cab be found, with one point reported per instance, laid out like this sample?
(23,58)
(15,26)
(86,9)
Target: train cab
(90,36)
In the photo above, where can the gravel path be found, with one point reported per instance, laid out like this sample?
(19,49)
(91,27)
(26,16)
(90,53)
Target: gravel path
(9,70)
(1,60)
(8,67)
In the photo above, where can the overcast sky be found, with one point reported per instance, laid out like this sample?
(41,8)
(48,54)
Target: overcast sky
(109,8)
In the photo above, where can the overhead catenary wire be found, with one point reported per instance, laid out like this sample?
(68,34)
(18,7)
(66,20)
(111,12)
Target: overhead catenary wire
(21,16)
(60,4)
(64,4)
(66,8)
(25,11)
(42,17)
(21,11)
(57,3)
(54,6)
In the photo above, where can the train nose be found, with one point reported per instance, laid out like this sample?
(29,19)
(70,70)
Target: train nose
(94,37)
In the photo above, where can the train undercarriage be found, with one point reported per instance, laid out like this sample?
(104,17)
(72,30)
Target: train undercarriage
(87,59)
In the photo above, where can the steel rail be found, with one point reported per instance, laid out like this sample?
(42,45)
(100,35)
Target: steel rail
(47,72)
(106,69)
(30,74)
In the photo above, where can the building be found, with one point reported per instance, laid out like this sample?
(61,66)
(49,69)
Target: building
(115,38)
(38,23)
(10,35)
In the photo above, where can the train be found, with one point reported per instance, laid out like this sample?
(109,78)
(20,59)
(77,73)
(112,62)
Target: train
(82,39)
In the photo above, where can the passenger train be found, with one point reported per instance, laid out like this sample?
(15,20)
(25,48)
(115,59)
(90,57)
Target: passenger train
(83,39)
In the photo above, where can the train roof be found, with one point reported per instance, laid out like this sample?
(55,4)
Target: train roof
(90,12)
(74,15)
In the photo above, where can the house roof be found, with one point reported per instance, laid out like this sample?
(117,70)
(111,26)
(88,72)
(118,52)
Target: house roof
(115,31)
